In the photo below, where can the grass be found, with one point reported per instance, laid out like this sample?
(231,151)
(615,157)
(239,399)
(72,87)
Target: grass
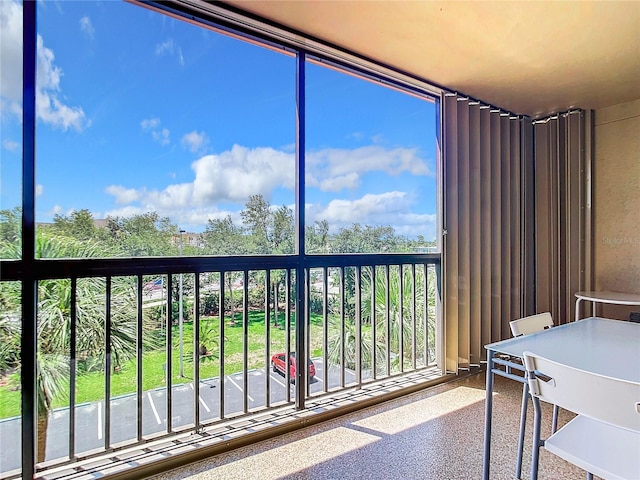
(90,386)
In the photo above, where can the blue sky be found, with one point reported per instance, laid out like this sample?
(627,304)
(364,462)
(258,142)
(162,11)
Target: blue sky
(140,112)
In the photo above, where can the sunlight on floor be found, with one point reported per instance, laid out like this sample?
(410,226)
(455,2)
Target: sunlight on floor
(409,416)
(308,452)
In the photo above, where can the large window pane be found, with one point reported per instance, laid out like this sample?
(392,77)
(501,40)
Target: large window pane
(10,128)
(158,137)
(371,166)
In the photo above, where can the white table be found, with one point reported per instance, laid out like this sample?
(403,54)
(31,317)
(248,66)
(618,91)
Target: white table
(616,298)
(600,345)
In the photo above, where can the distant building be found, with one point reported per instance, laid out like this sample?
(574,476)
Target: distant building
(188,239)
(426,249)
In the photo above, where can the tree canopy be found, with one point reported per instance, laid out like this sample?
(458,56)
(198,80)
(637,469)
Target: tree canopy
(262,229)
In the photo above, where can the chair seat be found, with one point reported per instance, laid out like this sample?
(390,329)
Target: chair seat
(610,452)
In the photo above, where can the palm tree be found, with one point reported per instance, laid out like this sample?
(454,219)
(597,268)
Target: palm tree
(54,323)
(400,327)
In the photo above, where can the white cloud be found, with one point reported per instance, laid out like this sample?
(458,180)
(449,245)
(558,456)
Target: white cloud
(160,135)
(150,123)
(232,176)
(169,47)
(195,141)
(122,195)
(236,174)
(87,27)
(229,177)
(349,181)
(369,206)
(334,169)
(50,108)
(11,58)
(39,190)
(56,210)
(128,211)
(10,145)
(390,208)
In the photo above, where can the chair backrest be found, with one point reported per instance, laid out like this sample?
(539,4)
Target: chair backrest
(610,400)
(531,324)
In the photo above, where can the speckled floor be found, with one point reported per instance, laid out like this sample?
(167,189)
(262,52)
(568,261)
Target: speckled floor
(433,434)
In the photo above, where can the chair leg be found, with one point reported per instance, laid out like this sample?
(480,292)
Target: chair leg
(537,443)
(589,476)
(554,421)
(523,423)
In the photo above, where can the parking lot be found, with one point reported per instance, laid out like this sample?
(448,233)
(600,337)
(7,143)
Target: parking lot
(89,428)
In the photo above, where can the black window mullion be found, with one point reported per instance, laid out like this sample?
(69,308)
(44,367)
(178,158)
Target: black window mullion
(28,340)
(300,299)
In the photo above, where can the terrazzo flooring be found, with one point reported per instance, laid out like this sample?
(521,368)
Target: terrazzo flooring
(434,434)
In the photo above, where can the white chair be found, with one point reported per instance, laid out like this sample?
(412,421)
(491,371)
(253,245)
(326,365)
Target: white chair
(604,438)
(531,324)
(527,326)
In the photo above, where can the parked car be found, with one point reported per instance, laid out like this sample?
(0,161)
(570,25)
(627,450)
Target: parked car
(278,365)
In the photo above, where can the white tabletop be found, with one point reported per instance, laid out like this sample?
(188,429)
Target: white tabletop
(599,345)
(618,298)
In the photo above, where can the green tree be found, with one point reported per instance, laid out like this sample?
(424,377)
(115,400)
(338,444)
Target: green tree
(223,237)
(317,237)
(367,239)
(282,231)
(10,227)
(79,225)
(256,216)
(143,235)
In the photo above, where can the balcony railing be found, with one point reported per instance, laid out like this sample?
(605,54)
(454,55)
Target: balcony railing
(133,350)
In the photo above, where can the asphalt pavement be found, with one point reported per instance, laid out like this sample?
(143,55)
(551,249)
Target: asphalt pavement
(90,417)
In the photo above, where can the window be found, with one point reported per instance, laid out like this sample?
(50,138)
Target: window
(371,166)
(161,138)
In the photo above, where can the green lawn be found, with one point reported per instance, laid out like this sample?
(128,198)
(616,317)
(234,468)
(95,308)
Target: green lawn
(91,386)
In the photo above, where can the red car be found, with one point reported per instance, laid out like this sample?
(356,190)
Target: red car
(278,365)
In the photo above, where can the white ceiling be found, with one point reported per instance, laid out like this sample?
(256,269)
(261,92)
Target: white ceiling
(530,57)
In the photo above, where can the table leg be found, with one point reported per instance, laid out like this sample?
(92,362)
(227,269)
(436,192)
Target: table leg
(487,417)
(578,300)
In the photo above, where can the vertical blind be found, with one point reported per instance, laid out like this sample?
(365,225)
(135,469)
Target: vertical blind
(562,212)
(514,222)
(484,227)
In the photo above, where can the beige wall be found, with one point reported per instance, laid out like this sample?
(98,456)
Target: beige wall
(616,203)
